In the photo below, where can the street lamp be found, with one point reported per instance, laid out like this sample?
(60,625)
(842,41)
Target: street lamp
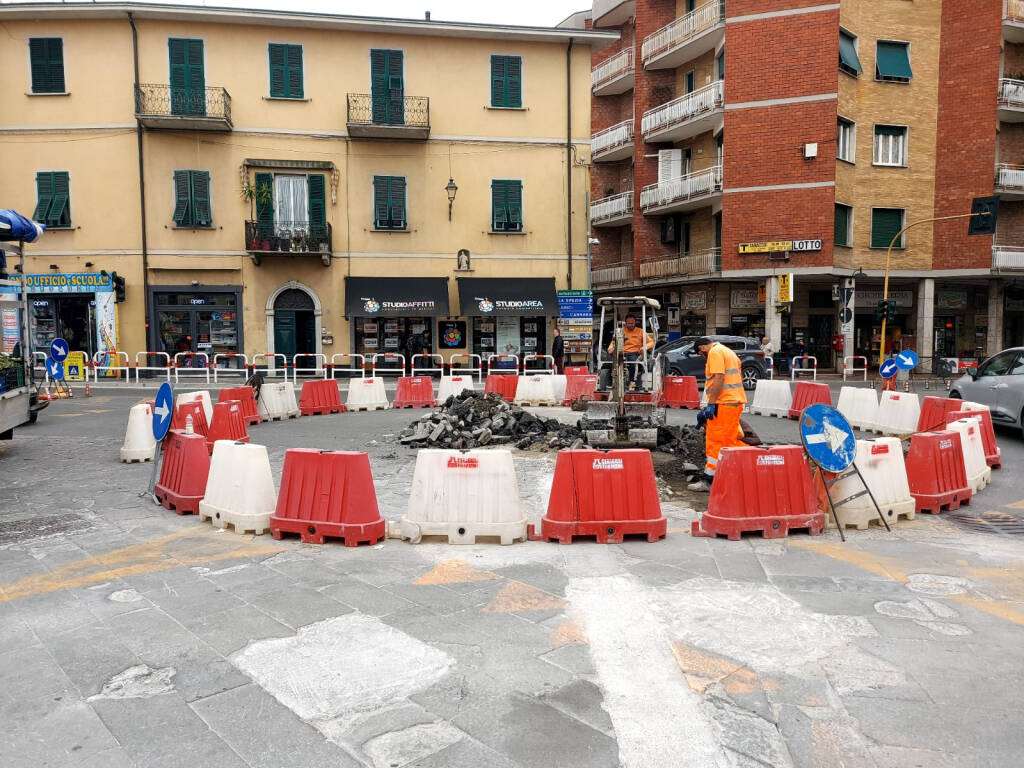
(451,189)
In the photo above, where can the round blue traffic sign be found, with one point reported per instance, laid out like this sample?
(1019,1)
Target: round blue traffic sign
(59,349)
(55,369)
(163,410)
(906,360)
(827,437)
(889,368)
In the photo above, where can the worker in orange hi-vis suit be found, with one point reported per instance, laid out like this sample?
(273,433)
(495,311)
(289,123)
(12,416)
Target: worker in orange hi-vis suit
(721,416)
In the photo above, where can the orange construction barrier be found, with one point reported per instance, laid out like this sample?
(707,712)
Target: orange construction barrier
(680,392)
(186,465)
(414,392)
(579,388)
(319,397)
(808,393)
(993,456)
(194,409)
(246,397)
(605,494)
(936,472)
(934,411)
(227,424)
(505,384)
(761,489)
(328,494)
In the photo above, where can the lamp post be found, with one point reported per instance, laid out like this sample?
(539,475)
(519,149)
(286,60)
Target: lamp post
(451,189)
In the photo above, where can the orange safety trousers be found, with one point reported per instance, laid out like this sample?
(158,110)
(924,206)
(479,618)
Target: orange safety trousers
(723,431)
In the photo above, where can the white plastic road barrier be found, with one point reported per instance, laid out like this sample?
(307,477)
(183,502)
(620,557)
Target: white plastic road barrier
(139,443)
(880,462)
(898,414)
(367,395)
(240,488)
(536,390)
(772,398)
(201,395)
(453,385)
(277,401)
(979,473)
(860,406)
(560,384)
(968,405)
(462,495)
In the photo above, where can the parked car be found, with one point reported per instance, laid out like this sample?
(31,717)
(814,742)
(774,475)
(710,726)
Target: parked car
(998,383)
(680,358)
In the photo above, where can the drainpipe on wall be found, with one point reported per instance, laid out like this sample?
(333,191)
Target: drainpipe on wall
(142,182)
(568,160)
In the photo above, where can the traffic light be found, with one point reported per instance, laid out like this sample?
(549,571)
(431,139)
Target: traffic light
(118,283)
(880,310)
(890,311)
(986,211)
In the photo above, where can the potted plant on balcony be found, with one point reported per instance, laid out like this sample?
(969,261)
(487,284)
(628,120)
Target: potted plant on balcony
(257,195)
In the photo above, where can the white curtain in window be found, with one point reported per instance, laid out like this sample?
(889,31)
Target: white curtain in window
(291,203)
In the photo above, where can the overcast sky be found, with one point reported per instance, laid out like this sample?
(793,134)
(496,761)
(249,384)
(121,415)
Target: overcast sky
(545,13)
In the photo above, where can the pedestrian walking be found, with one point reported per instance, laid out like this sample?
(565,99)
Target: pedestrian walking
(558,351)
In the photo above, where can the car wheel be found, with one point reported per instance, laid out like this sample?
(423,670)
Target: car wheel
(675,370)
(954,395)
(750,376)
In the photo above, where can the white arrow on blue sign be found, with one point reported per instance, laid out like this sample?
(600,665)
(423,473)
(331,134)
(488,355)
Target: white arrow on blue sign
(888,368)
(906,360)
(55,369)
(163,408)
(58,349)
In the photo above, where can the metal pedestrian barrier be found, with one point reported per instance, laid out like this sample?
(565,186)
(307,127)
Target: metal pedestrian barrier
(528,358)
(270,361)
(478,369)
(204,370)
(108,359)
(227,369)
(352,368)
(849,368)
(793,370)
(318,371)
(387,357)
(492,368)
(145,366)
(427,369)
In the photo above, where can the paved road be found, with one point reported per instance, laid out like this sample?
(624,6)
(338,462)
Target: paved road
(130,636)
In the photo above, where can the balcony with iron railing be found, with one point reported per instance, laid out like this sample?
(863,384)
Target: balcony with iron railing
(1013,21)
(193,109)
(620,273)
(689,115)
(707,261)
(400,117)
(288,238)
(612,13)
(1008,258)
(612,144)
(1011,100)
(613,210)
(614,75)
(685,193)
(1009,182)
(699,31)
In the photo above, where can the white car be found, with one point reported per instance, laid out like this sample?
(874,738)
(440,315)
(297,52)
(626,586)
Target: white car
(998,383)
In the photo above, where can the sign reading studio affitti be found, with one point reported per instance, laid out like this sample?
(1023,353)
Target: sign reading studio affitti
(780,246)
(371,306)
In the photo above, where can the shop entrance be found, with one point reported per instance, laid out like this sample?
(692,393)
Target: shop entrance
(71,318)
(819,341)
(294,324)
(192,321)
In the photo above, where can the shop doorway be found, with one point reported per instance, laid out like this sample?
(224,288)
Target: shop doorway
(294,324)
(72,318)
(819,341)
(190,320)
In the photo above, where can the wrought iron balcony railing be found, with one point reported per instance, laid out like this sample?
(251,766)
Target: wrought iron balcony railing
(388,117)
(167,106)
(288,237)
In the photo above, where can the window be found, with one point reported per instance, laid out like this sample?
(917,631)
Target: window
(998,365)
(387,87)
(849,61)
(188,76)
(690,81)
(192,199)
(670,165)
(892,61)
(296,207)
(285,71)
(53,205)
(46,60)
(507,81)
(389,202)
(1018,367)
(507,205)
(843,234)
(846,141)
(721,65)
(885,223)
(890,145)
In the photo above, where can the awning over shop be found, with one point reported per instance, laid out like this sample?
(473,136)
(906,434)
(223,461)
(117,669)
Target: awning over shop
(520,296)
(396,297)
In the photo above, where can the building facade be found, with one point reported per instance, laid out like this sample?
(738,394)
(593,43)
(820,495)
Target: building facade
(269,183)
(737,141)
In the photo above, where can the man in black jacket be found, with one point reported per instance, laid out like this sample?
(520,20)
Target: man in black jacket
(558,351)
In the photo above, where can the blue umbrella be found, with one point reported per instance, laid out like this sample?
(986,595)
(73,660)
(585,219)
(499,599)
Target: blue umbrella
(14,227)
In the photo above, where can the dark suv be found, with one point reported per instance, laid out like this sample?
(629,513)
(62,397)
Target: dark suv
(679,358)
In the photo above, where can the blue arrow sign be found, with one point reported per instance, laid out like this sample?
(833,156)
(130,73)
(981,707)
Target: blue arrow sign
(888,368)
(163,410)
(55,369)
(906,360)
(58,350)
(827,437)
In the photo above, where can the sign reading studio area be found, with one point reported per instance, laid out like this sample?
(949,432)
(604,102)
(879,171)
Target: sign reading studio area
(395,314)
(510,315)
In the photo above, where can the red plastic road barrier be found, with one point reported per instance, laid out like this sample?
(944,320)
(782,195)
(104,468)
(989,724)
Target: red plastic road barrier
(680,392)
(576,370)
(638,397)
(186,465)
(227,424)
(988,434)
(414,392)
(936,472)
(808,393)
(934,412)
(246,397)
(319,397)
(761,489)
(606,494)
(505,385)
(579,387)
(327,494)
(196,411)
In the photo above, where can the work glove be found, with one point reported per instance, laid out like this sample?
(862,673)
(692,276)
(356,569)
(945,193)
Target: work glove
(706,414)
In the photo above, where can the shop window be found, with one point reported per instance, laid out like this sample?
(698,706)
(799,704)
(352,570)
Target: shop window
(507,81)
(285,71)
(192,199)
(389,211)
(46,61)
(890,145)
(504,335)
(53,199)
(507,205)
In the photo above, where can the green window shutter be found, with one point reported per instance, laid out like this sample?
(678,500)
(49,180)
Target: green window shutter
(396,89)
(514,195)
(396,202)
(44,197)
(188,78)
(841,235)
(176,55)
(380,202)
(201,216)
(295,77)
(689,82)
(265,208)
(885,223)
(499,210)
(387,87)
(182,198)
(890,130)
(848,59)
(378,85)
(46,58)
(317,194)
(497,81)
(506,81)
(278,71)
(893,60)
(60,212)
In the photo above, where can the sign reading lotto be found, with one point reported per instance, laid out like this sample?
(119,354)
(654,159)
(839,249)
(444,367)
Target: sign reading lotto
(780,246)
(71,282)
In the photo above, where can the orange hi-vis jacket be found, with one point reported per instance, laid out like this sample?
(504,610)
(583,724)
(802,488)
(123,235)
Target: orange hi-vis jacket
(722,360)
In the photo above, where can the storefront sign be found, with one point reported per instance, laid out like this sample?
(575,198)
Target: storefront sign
(11,330)
(780,246)
(72,282)
(451,334)
(951,299)
(372,306)
(486,305)
(743,298)
(870,299)
(695,300)
(786,292)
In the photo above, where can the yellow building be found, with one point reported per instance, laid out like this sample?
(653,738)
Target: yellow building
(293,183)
